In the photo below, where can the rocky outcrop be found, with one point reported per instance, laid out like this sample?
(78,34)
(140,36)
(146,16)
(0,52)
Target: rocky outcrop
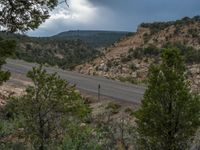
(112,64)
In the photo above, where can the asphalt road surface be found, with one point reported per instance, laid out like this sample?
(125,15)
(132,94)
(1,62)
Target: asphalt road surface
(109,88)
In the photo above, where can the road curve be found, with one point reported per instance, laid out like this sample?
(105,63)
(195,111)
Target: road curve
(109,88)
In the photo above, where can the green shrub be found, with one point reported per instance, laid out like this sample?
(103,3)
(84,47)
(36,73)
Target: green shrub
(114,107)
(132,67)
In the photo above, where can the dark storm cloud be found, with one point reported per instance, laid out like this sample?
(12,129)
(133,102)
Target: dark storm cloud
(131,13)
(147,9)
(124,14)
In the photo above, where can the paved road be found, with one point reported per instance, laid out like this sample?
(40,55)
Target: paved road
(109,88)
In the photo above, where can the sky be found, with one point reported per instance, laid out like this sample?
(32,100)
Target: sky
(114,15)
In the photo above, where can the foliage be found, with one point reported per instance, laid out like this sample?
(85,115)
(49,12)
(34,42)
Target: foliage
(6,49)
(18,15)
(140,53)
(113,107)
(169,113)
(112,62)
(158,26)
(23,15)
(125,59)
(63,53)
(7,132)
(115,133)
(194,32)
(137,53)
(133,67)
(190,54)
(81,137)
(46,109)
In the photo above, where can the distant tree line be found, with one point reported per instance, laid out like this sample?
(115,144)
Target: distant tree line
(158,26)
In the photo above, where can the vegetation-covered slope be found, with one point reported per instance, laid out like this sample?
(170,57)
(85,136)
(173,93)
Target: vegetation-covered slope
(63,53)
(94,38)
(130,58)
(66,49)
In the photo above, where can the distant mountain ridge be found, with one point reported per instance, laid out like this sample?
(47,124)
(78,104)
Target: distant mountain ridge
(94,38)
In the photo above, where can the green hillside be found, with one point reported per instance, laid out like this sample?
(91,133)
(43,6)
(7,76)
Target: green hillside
(63,53)
(95,39)
(66,49)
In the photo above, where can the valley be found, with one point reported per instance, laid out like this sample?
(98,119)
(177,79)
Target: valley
(65,50)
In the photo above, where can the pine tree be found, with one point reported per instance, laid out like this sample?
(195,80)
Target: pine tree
(20,16)
(46,109)
(23,15)
(169,113)
(6,49)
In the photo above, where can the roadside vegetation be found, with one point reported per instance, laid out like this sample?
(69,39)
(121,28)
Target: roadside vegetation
(51,114)
(62,53)
(169,114)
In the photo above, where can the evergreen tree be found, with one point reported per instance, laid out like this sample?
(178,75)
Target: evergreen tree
(169,113)
(23,15)
(46,109)
(20,15)
(6,49)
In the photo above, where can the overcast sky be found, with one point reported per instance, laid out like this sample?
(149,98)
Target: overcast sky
(119,15)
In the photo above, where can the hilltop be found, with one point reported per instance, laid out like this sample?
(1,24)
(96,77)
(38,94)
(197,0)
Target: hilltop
(129,59)
(94,38)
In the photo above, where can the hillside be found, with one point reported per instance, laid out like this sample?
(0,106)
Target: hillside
(129,59)
(96,39)
(62,53)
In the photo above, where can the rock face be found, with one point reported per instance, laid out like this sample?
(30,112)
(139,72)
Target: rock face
(112,64)
(194,76)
